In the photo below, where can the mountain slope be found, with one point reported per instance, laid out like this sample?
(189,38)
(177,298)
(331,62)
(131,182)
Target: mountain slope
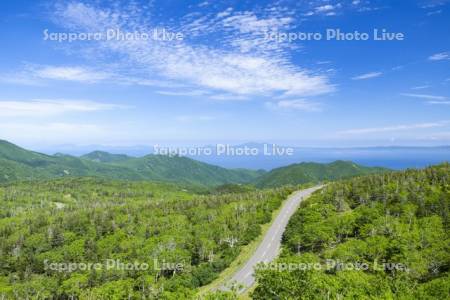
(105,157)
(19,164)
(183,169)
(313,172)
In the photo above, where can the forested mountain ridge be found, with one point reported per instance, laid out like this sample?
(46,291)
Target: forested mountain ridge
(314,172)
(383,236)
(19,164)
(105,157)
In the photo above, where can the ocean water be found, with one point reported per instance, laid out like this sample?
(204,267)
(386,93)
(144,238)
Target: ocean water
(389,157)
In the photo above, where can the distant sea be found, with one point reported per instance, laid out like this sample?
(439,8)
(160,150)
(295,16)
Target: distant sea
(389,157)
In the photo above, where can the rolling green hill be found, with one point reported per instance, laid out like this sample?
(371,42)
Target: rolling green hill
(313,172)
(19,164)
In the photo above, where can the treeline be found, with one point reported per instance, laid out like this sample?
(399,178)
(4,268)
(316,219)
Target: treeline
(184,238)
(381,236)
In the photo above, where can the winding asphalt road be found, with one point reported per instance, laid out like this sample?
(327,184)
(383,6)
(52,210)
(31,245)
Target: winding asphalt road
(270,246)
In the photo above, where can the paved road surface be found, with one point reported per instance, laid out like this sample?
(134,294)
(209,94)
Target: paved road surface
(270,246)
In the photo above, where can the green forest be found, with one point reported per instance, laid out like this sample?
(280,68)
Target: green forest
(185,238)
(383,236)
(369,233)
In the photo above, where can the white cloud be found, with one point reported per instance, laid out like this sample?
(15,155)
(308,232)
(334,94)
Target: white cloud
(394,128)
(40,75)
(70,73)
(433,3)
(327,9)
(439,56)
(420,87)
(436,12)
(324,8)
(192,93)
(45,107)
(424,96)
(439,102)
(367,76)
(228,97)
(297,104)
(225,13)
(231,70)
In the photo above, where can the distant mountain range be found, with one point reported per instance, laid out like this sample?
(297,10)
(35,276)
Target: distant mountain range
(17,163)
(392,157)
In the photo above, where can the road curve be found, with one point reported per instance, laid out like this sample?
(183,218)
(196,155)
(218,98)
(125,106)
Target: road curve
(270,246)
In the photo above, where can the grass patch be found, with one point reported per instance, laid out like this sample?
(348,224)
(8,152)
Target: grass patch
(246,295)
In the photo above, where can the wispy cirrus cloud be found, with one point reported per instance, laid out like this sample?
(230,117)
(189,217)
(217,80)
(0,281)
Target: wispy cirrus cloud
(75,73)
(435,12)
(327,9)
(324,8)
(228,97)
(47,107)
(395,128)
(367,76)
(420,87)
(41,75)
(432,3)
(189,93)
(424,96)
(297,104)
(439,56)
(439,102)
(333,7)
(230,69)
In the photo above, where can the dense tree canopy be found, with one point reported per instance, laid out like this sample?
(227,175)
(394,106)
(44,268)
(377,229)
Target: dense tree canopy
(45,225)
(381,236)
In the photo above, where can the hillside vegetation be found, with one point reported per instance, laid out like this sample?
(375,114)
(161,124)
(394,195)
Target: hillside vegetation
(313,172)
(47,225)
(375,237)
(19,164)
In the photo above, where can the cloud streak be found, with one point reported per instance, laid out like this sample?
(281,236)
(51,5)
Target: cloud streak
(70,73)
(439,56)
(394,128)
(367,76)
(45,107)
(424,96)
(298,104)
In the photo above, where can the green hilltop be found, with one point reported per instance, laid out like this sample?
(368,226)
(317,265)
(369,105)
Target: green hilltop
(314,172)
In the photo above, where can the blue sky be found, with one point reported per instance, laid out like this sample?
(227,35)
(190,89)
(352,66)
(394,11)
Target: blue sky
(225,80)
